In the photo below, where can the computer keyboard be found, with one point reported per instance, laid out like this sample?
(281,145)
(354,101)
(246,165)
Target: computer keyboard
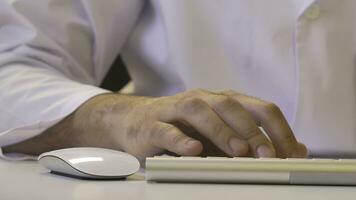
(251,170)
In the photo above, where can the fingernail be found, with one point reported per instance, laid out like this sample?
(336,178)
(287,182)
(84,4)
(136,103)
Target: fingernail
(238,147)
(193,148)
(190,142)
(265,151)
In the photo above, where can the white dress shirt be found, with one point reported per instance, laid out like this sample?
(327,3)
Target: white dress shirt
(299,54)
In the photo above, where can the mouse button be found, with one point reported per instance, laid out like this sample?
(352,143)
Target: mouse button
(108,165)
(64,154)
(75,154)
(87,153)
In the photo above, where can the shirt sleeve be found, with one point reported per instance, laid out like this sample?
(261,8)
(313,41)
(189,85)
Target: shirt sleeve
(53,56)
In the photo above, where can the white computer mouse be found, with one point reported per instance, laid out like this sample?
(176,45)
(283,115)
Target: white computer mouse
(89,162)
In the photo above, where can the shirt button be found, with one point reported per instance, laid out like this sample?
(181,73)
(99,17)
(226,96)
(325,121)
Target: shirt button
(313,12)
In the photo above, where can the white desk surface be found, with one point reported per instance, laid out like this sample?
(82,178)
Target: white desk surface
(28,180)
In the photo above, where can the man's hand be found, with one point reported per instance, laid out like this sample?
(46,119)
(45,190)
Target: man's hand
(188,124)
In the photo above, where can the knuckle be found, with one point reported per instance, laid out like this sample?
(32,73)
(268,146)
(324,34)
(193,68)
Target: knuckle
(195,92)
(168,129)
(192,105)
(271,109)
(225,105)
(199,90)
(225,102)
(228,106)
(158,131)
(228,92)
(176,139)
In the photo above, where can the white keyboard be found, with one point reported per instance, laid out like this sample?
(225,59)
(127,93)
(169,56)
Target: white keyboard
(251,170)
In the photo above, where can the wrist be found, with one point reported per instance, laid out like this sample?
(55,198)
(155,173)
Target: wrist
(97,122)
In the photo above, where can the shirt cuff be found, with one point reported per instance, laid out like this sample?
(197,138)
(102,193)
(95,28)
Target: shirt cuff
(28,131)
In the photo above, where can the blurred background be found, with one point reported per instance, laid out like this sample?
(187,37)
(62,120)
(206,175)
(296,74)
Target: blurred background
(117,77)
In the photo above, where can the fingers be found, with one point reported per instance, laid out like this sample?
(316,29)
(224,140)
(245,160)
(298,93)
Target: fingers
(168,137)
(231,111)
(230,120)
(199,115)
(271,118)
